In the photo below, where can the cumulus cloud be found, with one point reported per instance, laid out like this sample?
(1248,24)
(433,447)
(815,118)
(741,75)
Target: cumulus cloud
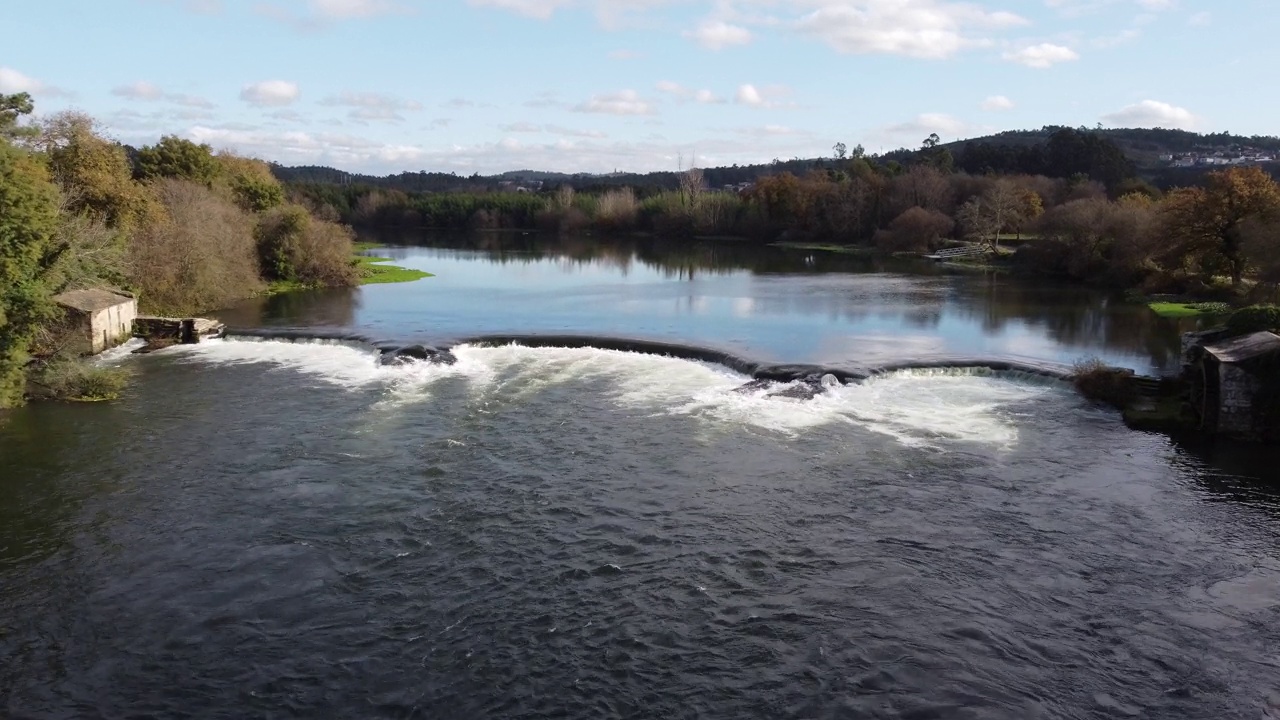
(1041,56)
(997,102)
(371,106)
(762,97)
(929,29)
(626,102)
(717,34)
(1153,113)
(12,81)
(1200,19)
(271,93)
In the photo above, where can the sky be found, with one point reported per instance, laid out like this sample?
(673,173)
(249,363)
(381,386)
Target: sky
(386,86)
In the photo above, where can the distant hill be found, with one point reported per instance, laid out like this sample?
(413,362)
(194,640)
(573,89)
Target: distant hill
(1164,157)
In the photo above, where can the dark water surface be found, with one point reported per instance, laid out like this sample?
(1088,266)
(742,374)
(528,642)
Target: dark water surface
(265,529)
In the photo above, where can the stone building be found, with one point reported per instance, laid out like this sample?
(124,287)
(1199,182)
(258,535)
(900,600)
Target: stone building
(1238,380)
(98,319)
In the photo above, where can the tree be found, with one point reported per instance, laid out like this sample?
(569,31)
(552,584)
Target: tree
(251,181)
(840,150)
(999,208)
(28,217)
(11,108)
(1207,223)
(916,229)
(174,157)
(92,171)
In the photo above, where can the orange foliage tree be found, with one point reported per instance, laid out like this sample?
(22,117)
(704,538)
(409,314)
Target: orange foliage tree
(1207,224)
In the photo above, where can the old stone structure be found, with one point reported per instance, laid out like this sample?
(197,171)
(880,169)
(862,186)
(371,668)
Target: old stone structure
(1237,379)
(98,319)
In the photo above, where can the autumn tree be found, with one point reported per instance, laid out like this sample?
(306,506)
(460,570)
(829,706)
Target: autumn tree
(1206,224)
(1002,206)
(92,171)
(916,229)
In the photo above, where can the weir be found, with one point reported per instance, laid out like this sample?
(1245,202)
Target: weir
(399,351)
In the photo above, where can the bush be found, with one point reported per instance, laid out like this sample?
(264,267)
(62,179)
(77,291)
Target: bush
(1254,318)
(64,379)
(295,247)
(1098,381)
(617,210)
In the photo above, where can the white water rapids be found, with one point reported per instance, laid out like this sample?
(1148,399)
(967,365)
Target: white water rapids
(916,407)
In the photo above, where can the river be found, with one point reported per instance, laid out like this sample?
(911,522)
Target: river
(291,529)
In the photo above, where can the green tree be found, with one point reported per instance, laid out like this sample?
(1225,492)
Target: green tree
(13,107)
(28,219)
(251,181)
(174,157)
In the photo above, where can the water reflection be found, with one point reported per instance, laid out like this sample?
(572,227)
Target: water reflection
(770,302)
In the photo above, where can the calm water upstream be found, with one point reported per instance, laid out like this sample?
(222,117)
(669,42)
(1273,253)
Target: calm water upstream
(274,529)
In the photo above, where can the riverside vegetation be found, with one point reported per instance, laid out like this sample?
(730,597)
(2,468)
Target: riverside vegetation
(182,228)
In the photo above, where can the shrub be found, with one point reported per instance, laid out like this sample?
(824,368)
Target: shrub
(1254,318)
(1098,381)
(293,246)
(915,230)
(64,379)
(617,210)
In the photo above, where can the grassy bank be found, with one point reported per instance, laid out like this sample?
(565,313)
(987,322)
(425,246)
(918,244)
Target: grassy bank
(373,271)
(1186,310)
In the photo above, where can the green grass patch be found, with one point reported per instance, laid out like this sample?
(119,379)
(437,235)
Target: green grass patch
(1186,310)
(373,271)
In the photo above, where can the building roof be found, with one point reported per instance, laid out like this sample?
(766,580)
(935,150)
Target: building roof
(91,300)
(1245,347)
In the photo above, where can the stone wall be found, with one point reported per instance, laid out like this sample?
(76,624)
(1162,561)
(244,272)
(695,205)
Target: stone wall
(1237,390)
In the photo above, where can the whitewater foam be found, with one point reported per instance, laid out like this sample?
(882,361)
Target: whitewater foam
(915,407)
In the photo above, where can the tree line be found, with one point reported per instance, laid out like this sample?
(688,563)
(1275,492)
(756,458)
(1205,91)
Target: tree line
(182,228)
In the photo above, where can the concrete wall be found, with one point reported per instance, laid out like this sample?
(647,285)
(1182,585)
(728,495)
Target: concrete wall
(1235,408)
(112,326)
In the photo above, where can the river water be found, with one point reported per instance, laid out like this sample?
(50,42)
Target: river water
(277,529)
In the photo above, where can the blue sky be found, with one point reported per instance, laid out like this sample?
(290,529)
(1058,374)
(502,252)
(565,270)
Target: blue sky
(596,85)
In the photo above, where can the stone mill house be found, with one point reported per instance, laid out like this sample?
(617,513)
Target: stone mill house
(98,319)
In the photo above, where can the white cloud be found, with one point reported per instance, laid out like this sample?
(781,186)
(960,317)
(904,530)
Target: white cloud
(1153,113)
(769,131)
(762,97)
(540,9)
(683,93)
(140,90)
(1121,38)
(997,102)
(270,93)
(143,91)
(1041,56)
(319,13)
(12,81)
(626,102)
(915,28)
(625,55)
(1200,19)
(521,127)
(717,35)
(1157,4)
(371,106)
(912,132)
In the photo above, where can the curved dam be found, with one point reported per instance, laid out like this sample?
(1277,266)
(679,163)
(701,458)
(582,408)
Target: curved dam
(396,350)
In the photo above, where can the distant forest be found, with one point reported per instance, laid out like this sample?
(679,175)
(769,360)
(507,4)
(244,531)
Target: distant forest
(1109,156)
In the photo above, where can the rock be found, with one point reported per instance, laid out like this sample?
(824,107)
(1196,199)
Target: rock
(753,386)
